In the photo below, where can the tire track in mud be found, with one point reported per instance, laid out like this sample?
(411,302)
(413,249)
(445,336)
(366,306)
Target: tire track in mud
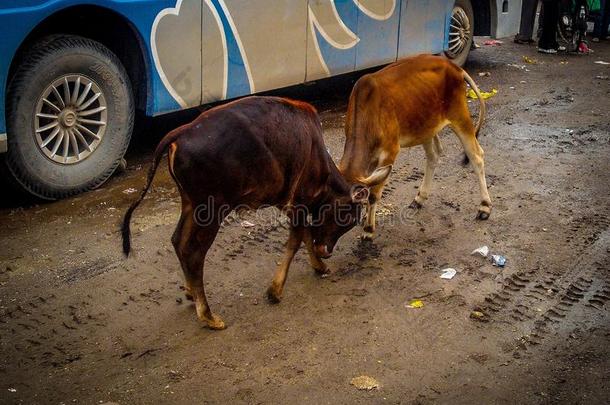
(37,332)
(270,232)
(542,302)
(48,331)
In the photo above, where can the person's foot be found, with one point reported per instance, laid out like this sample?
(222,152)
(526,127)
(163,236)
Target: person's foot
(547,50)
(522,41)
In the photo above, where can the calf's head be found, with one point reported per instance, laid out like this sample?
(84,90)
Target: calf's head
(342,209)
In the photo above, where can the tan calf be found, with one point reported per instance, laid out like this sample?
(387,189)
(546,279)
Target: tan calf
(407,104)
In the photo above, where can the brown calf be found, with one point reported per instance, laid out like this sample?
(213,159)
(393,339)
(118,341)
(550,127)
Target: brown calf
(252,153)
(404,105)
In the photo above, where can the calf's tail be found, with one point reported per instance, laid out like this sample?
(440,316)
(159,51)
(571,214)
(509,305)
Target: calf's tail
(125,228)
(482,109)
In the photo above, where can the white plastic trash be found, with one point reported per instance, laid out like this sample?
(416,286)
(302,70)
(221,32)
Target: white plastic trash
(483,251)
(448,273)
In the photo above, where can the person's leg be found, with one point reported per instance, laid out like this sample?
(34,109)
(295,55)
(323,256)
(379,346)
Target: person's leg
(597,24)
(605,19)
(528,17)
(548,39)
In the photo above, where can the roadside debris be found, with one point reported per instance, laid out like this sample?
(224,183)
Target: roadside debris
(484,74)
(478,316)
(493,42)
(529,60)
(448,273)
(415,304)
(584,48)
(364,382)
(601,62)
(601,77)
(247,224)
(522,67)
(483,251)
(498,260)
(129,190)
(485,95)
(12,390)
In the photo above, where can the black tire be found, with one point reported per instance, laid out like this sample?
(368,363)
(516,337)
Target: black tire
(50,59)
(459,58)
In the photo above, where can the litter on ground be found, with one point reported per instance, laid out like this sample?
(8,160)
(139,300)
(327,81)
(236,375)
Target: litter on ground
(415,304)
(498,260)
(448,273)
(483,251)
(485,95)
(364,382)
(601,62)
(478,315)
(529,60)
(493,42)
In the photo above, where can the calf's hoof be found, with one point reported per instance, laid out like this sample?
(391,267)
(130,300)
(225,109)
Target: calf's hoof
(273,296)
(415,205)
(215,322)
(367,236)
(483,214)
(368,232)
(322,271)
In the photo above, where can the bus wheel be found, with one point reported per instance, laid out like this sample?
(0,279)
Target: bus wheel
(461,32)
(70,116)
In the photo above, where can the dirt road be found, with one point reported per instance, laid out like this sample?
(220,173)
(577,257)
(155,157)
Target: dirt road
(80,324)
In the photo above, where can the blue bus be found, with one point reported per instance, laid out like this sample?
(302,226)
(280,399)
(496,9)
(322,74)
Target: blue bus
(73,72)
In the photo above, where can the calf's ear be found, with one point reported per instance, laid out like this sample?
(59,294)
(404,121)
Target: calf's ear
(378,176)
(360,194)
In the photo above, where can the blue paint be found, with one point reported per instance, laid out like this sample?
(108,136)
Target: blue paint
(378,39)
(423,26)
(341,60)
(237,79)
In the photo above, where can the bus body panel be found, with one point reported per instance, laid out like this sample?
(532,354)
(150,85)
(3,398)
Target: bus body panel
(378,28)
(200,51)
(424,26)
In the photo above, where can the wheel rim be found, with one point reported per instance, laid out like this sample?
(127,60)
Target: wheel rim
(70,119)
(460,32)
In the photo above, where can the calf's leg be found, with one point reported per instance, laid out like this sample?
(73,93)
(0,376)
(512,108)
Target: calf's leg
(176,241)
(432,156)
(274,293)
(386,158)
(318,265)
(370,223)
(465,131)
(192,243)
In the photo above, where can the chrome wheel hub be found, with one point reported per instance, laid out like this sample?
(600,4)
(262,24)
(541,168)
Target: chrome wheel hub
(459,32)
(70,119)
